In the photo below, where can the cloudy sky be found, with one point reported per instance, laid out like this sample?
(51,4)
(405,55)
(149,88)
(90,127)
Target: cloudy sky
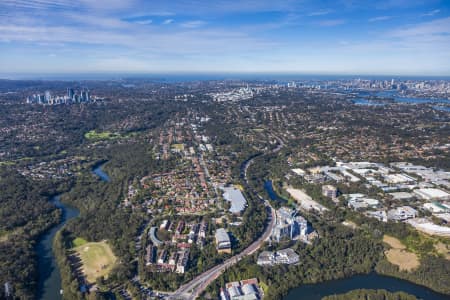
(401,37)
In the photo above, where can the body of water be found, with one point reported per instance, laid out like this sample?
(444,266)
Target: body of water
(370,281)
(442,108)
(97,170)
(363,101)
(420,100)
(49,285)
(367,102)
(272,194)
(395,96)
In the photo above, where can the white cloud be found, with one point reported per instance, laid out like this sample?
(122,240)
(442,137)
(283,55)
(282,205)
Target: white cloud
(193,24)
(37,4)
(330,23)
(109,4)
(112,37)
(380,18)
(168,21)
(144,22)
(95,21)
(98,5)
(432,13)
(143,39)
(435,27)
(320,13)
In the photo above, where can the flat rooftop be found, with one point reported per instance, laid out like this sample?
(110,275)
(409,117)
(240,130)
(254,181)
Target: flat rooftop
(234,195)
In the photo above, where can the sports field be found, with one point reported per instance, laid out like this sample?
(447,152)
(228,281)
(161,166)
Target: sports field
(105,135)
(179,147)
(97,259)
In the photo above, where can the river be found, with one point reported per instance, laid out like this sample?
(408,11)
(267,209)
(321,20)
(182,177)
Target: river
(49,284)
(440,104)
(268,186)
(97,170)
(369,281)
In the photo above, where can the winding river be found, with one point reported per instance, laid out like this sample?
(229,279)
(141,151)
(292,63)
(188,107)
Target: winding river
(97,170)
(368,281)
(49,284)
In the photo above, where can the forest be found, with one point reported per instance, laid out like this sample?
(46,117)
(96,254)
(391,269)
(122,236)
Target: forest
(364,294)
(124,142)
(338,253)
(25,214)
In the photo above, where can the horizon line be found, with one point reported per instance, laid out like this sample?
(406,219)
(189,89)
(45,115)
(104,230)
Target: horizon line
(111,74)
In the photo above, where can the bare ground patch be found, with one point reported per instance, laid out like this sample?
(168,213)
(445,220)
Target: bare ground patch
(393,242)
(443,249)
(350,224)
(398,255)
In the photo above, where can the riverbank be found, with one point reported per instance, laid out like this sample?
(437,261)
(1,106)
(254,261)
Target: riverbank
(49,284)
(97,170)
(388,272)
(370,281)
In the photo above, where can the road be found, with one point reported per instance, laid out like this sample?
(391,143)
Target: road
(195,287)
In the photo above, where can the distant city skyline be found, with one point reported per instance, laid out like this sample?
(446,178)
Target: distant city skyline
(388,37)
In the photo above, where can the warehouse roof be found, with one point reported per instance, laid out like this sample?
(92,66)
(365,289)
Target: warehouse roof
(222,236)
(233,195)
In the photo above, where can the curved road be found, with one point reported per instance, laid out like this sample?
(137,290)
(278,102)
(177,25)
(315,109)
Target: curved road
(196,286)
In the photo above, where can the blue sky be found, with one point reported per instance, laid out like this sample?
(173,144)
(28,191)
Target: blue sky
(398,37)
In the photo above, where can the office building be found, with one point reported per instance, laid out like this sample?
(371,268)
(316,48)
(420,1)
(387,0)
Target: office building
(401,213)
(285,256)
(70,93)
(48,99)
(223,242)
(289,225)
(48,96)
(183,259)
(330,192)
(244,290)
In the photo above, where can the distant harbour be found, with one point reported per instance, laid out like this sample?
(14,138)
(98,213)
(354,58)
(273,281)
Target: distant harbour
(440,103)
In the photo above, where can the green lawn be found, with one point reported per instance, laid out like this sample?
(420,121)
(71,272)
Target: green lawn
(97,259)
(264,287)
(78,242)
(258,129)
(179,147)
(105,135)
